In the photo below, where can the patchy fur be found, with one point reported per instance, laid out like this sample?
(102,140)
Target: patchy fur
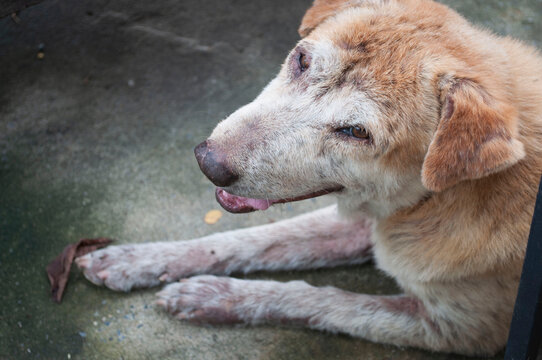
(441,192)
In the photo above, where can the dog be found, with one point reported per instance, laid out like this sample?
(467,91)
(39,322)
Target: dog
(427,129)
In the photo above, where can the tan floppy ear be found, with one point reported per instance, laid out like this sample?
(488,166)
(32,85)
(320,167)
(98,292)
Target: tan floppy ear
(476,137)
(318,12)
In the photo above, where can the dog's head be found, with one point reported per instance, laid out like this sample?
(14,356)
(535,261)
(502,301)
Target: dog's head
(381,101)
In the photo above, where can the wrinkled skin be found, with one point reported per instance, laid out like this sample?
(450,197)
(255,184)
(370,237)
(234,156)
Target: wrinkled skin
(288,143)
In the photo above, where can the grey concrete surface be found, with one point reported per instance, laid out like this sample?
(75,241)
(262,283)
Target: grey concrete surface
(96,139)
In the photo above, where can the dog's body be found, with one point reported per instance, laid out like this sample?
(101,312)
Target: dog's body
(428,129)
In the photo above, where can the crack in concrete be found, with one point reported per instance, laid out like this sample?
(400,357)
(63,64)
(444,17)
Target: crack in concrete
(184,41)
(172,37)
(109,14)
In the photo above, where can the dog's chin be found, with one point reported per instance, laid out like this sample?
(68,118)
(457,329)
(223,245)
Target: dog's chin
(239,204)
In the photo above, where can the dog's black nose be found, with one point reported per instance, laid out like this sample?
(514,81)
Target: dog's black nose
(213,163)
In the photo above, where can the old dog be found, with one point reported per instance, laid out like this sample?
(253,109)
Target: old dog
(427,129)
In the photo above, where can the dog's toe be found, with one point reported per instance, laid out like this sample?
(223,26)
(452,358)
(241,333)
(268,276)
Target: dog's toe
(83,262)
(103,275)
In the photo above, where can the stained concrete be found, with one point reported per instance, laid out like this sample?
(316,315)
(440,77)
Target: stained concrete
(96,139)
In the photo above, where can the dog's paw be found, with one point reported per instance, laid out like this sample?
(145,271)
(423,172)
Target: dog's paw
(125,267)
(208,299)
(224,300)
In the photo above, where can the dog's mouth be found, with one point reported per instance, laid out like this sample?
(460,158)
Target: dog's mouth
(239,204)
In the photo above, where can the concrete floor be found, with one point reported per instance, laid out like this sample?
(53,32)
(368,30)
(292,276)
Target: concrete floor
(96,140)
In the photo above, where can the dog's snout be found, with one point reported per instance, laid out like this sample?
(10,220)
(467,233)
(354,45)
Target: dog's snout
(212,162)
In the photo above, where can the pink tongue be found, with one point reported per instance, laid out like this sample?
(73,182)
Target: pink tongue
(239,204)
(258,204)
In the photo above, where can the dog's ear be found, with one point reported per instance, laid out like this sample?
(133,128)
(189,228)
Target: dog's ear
(476,136)
(318,12)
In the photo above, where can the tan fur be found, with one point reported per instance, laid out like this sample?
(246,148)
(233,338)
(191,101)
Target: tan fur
(443,192)
(320,11)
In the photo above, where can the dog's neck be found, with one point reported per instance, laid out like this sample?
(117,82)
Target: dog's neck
(352,204)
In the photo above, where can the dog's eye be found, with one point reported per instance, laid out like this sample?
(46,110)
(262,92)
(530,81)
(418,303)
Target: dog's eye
(360,132)
(303,62)
(356,131)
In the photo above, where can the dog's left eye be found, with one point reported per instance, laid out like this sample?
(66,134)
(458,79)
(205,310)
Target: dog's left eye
(356,132)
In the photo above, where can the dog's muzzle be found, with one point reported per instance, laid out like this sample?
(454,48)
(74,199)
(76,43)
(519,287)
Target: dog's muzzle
(212,162)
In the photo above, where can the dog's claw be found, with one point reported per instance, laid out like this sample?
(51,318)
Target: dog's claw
(104,274)
(163,277)
(82,262)
(196,314)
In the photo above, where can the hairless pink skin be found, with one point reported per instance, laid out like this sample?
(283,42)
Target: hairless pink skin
(240,204)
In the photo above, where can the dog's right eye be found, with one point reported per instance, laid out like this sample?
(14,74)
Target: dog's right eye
(303,62)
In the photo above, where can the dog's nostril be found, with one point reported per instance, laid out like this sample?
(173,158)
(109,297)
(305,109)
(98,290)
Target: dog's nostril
(200,151)
(212,163)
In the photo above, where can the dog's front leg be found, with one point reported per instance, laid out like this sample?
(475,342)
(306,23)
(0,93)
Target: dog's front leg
(223,300)
(317,239)
(458,324)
